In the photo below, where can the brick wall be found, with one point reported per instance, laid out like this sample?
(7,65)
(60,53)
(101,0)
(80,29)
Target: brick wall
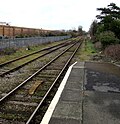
(13,31)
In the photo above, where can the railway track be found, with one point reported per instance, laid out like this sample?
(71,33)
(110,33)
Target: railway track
(24,56)
(27,102)
(15,64)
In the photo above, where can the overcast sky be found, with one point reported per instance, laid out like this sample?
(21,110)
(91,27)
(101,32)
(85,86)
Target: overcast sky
(51,14)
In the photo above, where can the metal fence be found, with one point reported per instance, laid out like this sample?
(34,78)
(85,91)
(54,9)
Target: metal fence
(25,42)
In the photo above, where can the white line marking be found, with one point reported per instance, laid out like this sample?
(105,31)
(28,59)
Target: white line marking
(54,102)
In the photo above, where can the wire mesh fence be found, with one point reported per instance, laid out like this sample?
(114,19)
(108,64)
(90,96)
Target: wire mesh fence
(25,42)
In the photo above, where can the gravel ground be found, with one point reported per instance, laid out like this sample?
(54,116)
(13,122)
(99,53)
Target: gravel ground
(11,80)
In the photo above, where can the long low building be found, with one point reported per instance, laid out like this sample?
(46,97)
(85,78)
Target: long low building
(8,31)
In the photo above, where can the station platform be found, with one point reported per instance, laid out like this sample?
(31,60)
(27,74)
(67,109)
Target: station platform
(88,94)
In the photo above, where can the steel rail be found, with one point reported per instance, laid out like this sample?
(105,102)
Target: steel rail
(33,75)
(39,105)
(13,69)
(13,60)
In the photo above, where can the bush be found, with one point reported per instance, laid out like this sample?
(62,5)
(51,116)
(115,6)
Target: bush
(113,51)
(7,51)
(107,38)
(98,45)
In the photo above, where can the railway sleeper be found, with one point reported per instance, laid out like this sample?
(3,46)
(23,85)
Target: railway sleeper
(48,76)
(31,99)
(17,108)
(39,77)
(15,116)
(4,121)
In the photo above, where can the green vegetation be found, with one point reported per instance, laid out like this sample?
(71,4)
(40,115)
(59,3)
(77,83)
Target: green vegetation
(90,47)
(107,29)
(12,54)
(87,50)
(107,38)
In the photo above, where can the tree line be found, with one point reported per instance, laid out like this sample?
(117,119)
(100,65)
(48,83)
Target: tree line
(106,28)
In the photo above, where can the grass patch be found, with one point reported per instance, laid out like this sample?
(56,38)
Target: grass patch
(89,47)
(22,51)
(86,50)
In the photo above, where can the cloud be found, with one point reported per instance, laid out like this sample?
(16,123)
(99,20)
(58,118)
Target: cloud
(51,14)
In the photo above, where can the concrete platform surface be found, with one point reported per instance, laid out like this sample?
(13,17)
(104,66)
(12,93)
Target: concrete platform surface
(88,94)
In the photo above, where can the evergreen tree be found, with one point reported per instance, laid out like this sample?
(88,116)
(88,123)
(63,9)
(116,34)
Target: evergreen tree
(110,18)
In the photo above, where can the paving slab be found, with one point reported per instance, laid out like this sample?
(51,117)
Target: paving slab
(101,108)
(104,77)
(64,121)
(69,107)
(68,110)
(101,104)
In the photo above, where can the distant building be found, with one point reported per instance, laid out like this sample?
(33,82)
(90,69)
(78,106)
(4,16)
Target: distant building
(13,31)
